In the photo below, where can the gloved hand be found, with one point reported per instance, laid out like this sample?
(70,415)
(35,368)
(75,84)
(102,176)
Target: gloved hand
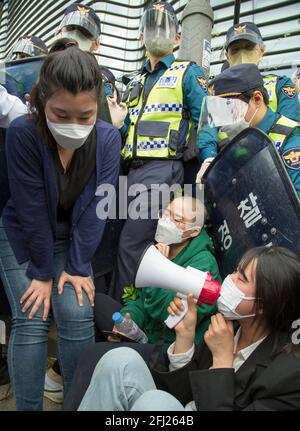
(118,112)
(203,168)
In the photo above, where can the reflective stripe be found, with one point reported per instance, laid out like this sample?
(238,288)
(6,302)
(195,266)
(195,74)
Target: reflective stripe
(134,112)
(152,145)
(166,107)
(179,67)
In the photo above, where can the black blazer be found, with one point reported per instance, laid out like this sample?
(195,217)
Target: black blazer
(264,382)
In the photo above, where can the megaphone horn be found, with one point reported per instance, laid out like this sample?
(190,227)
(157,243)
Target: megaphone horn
(157,271)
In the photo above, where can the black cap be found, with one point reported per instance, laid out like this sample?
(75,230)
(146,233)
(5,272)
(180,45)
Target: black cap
(243,31)
(237,80)
(82,16)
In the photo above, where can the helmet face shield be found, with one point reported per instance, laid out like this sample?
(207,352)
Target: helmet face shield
(158,24)
(83,20)
(25,48)
(219,111)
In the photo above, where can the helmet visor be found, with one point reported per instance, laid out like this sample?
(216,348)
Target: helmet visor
(83,20)
(158,24)
(26,47)
(219,111)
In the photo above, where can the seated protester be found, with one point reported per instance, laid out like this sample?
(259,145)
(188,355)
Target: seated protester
(182,238)
(57,157)
(250,365)
(245,83)
(186,243)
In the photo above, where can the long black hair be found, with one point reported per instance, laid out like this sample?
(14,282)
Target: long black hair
(72,70)
(277,282)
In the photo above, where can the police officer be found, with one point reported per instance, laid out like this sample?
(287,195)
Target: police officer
(81,23)
(244,44)
(244,86)
(26,47)
(164,102)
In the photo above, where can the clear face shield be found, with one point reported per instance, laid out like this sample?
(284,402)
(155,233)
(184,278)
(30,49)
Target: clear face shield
(227,115)
(81,20)
(219,111)
(159,30)
(25,48)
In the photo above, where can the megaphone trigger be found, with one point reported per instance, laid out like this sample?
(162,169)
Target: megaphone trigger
(172,321)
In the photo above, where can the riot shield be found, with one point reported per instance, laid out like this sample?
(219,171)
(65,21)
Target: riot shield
(19,76)
(250,199)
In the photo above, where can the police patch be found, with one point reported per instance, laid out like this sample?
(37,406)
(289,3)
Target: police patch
(291,158)
(203,83)
(168,81)
(289,92)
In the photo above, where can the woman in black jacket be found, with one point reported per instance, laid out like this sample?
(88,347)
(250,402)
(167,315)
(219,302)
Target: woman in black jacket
(254,365)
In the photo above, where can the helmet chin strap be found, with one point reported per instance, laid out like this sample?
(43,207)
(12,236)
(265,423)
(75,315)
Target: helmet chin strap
(252,118)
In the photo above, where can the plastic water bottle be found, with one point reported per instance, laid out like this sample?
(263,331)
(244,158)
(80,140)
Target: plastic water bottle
(129,328)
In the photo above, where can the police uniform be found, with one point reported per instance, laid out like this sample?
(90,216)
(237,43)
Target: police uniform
(163,105)
(281,90)
(285,133)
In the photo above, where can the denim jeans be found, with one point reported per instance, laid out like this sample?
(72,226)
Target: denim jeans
(123,382)
(28,344)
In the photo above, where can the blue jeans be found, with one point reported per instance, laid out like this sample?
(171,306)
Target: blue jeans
(28,343)
(123,382)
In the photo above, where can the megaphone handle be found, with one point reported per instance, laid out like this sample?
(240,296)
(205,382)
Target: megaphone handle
(172,321)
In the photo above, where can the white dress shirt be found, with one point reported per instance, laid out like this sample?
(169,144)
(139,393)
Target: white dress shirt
(179,360)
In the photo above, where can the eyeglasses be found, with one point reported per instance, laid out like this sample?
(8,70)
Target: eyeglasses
(165,214)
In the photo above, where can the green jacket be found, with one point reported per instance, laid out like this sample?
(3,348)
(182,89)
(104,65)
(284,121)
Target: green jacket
(149,311)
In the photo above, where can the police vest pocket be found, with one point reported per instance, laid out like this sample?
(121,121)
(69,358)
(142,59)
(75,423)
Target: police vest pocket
(134,94)
(153,129)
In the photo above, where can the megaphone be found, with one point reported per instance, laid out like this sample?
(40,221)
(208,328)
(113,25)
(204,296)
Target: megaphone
(156,270)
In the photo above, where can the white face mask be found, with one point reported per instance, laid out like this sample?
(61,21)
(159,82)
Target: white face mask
(159,45)
(232,130)
(84,43)
(168,233)
(231,296)
(70,136)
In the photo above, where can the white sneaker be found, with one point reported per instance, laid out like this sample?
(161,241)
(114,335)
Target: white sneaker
(55,395)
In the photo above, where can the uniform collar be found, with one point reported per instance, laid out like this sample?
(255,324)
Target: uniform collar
(164,62)
(268,120)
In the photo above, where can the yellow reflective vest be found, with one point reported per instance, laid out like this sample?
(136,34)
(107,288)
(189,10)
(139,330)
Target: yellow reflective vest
(154,129)
(270,84)
(279,132)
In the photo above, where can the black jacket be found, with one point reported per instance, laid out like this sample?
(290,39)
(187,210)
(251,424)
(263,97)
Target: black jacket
(264,382)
